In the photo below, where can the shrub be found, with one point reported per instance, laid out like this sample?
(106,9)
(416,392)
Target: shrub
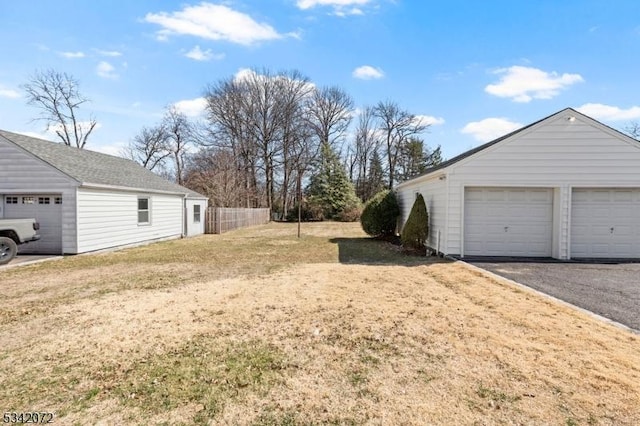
(380,214)
(351,213)
(310,212)
(416,231)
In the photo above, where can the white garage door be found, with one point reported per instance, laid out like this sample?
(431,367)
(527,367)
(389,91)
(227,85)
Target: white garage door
(605,223)
(47,210)
(508,222)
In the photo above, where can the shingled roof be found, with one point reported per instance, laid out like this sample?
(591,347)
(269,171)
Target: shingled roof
(95,168)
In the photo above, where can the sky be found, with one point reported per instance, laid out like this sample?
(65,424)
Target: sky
(474,70)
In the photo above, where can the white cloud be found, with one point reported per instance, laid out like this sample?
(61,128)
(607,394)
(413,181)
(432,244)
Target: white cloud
(198,54)
(8,93)
(50,132)
(106,70)
(72,55)
(244,74)
(110,53)
(430,120)
(367,72)
(490,128)
(340,7)
(249,75)
(522,84)
(212,22)
(191,107)
(114,149)
(611,113)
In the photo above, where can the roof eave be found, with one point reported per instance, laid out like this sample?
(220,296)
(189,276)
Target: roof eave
(131,189)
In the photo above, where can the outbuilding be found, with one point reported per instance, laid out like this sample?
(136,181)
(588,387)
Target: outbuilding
(87,201)
(564,187)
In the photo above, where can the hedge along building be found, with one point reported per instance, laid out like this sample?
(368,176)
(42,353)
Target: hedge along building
(565,187)
(87,200)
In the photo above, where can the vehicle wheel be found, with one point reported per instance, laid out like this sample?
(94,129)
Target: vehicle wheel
(8,250)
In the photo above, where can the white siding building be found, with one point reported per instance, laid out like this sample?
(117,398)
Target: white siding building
(565,187)
(86,201)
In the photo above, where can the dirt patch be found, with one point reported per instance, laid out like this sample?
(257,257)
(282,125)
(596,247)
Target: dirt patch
(338,343)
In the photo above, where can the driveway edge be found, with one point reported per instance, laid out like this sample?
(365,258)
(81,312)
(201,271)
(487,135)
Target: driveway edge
(544,295)
(29,262)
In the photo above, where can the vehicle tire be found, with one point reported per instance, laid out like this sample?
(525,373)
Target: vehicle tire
(8,250)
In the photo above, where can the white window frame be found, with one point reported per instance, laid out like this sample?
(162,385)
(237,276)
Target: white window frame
(147,211)
(197,213)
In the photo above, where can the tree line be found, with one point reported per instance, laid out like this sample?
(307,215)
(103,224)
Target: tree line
(265,139)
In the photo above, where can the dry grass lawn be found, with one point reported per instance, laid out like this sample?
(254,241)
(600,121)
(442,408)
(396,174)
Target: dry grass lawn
(257,327)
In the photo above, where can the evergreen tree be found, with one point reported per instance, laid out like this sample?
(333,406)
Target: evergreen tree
(415,158)
(415,231)
(375,178)
(330,189)
(433,158)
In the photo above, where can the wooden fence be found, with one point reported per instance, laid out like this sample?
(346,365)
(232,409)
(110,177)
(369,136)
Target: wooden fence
(222,219)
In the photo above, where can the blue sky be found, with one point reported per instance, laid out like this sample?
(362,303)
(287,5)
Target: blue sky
(476,70)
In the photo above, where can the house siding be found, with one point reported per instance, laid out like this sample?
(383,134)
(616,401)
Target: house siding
(110,218)
(558,154)
(23,173)
(434,191)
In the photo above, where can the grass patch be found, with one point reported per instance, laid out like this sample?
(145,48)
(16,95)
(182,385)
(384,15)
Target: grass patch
(202,373)
(257,327)
(372,251)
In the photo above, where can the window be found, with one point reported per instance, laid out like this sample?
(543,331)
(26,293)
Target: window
(44,200)
(58,200)
(143,211)
(196,213)
(28,200)
(11,200)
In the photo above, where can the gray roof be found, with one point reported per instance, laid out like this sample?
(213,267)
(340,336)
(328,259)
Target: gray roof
(90,167)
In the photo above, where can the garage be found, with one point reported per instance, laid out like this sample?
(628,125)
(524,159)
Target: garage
(508,222)
(47,210)
(605,223)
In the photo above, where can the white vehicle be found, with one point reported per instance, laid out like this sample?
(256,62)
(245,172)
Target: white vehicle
(14,232)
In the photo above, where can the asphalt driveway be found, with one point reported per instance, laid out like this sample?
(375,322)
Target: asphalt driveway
(608,289)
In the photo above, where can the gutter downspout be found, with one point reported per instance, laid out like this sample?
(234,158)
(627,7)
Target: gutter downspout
(184,216)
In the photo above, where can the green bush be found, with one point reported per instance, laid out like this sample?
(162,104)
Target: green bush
(380,214)
(416,231)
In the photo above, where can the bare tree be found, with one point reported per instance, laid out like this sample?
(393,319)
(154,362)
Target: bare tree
(150,147)
(229,128)
(180,134)
(633,129)
(396,125)
(330,112)
(367,141)
(58,98)
(293,89)
(212,171)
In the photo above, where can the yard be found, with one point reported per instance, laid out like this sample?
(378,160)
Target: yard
(258,327)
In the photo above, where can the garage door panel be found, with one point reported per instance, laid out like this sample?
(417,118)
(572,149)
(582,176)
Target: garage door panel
(623,196)
(508,222)
(605,223)
(47,210)
(494,196)
(544,196)
(516,196)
